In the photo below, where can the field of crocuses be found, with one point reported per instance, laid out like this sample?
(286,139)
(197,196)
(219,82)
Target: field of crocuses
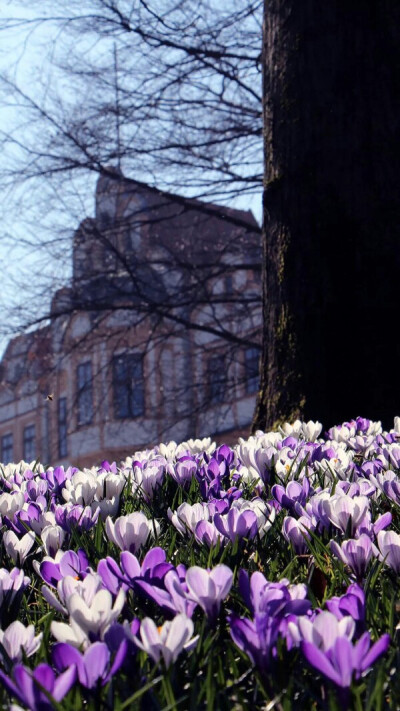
(190,576)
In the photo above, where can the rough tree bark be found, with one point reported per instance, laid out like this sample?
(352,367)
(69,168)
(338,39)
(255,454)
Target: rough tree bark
(331,211)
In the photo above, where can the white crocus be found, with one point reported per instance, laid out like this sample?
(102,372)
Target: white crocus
(146,479)
(53,538)
(81,488)
(187,516)
(311,430)
(256,460)
(88,622)
(18,548)
(343,510)
(18,640)
(109,487)
(67,586)
(291,430)
(11,503)
(131,532)
(168,641)
(196,446)
(168,450)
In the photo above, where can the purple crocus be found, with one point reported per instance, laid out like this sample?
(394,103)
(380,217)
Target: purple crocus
(74,516)
(296,531)
(346,512)
(322,630)
(343,660)
(152,570)
(355,553)
(184,470)
(93,666)
(172,596)
(12,586)
(64,563)
(27,686)
(206,533)
(273,599)
(389,546)
(237,524)
(294,492)
(209,587)
(351,603)
(256,638)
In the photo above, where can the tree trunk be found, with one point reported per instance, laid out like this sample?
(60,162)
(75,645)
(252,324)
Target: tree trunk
(331,211)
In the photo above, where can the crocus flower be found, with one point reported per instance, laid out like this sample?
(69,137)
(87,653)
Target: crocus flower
(93,666)
(53,538)
(294,492)
(351,603)
(345,512)
(296,531)
(343,660)
(256,638)
(237,524)
(27,685)
(389,546)
(273,599)
(184,470)
(12,586)
(322,631)
(187,516)
(131,532)
(152,570)
(70,517)
(168,641)
(18,640)
(88,623)
(264,512)
(257,460)
(172,595)
(11,503)
(356,553)
(147,477)
(64,563)
(209,587)
(67,586)
(207,533)
(18,548)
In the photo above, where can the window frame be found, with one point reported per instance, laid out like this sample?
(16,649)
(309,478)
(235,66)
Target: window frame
(6,447)
(29,441)
(251,375)
(84,393)
(129,393)
(62,427)
(217,387)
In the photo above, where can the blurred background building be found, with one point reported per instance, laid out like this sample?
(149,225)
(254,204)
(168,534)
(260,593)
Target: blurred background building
(156,337)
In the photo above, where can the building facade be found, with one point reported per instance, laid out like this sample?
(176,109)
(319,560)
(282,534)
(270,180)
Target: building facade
(156,337)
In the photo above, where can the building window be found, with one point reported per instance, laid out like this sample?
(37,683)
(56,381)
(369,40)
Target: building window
(251,374)
(217,380)
(128,385)
(29,443)
(85,393)
(7,454)
(229,285)
(62,427)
